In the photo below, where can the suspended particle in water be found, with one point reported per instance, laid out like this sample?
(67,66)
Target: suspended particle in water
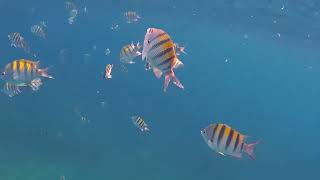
(246,36)
(94,47)
(279,35)
(114,26)
(59,134)
(107,52)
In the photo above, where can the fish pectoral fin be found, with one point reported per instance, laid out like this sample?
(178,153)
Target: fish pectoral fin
(157,73)
(221,153)
(35,84)
(11,89)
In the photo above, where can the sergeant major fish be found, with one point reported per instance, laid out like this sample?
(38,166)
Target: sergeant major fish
(227,141)
(129,52)
(38,30)
(131,16)
(140,123)
(159,51)
(18,41)
(22,73)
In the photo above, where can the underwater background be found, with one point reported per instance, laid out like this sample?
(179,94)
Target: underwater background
(253,65)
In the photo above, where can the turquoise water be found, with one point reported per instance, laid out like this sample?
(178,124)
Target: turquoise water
(252,65)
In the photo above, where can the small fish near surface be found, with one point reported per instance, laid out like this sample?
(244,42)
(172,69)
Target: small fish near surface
(159,51)
(129,52)
(140,123)
(38,30)
(108,71)
(22,73)
(227,141)
(131,16)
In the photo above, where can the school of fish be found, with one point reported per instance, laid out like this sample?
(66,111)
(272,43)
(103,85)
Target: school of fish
(159,53)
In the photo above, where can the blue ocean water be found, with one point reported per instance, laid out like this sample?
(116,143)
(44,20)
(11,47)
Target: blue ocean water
(253,65)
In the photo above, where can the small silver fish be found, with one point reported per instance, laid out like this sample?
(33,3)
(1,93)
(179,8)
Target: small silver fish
(140,123)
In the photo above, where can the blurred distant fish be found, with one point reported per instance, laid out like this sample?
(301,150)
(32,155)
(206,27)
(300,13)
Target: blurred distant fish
(107,52)
(227,141)
(38,30)
(108,71)
(140,123)
(22,73)
(70,5)
(179,49)
(18,41)
(131,16)
(72,16)
(62,178)
(129,52)
(44,23)
(159,51)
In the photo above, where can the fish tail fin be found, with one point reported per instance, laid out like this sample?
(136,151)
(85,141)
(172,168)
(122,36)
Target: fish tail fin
(108,76)
(44,73)
(146,129)
(168,78)
(249,149)
(178,64)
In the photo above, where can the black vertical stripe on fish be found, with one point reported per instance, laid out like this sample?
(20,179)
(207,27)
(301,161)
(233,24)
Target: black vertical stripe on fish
(162,34)
(159,44)
(141,122)
(166,61)
(214,132)
(241,146)
(162,53)
(131,49)
(221,134)
(236,143)
(229,138)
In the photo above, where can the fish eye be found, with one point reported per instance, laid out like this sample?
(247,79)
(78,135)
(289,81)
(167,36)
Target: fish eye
(204,131)
(3,73)
(148,41)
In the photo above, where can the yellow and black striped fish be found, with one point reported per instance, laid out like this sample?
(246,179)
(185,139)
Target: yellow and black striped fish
(159,51)
(22,73)
(129,52)
(140,123)
(227,141)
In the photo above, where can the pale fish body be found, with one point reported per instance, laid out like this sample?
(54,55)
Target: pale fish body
(227,141)
(159,51)
(108,71)
(129,52)
(38,30)
(131,16)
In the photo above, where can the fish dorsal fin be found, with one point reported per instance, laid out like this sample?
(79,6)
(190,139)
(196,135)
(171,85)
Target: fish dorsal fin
(157,73)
